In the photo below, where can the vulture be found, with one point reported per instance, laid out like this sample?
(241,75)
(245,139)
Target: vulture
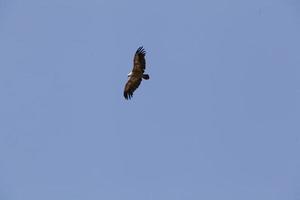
(137,74)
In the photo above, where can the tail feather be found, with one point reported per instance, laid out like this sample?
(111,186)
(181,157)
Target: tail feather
(146,76)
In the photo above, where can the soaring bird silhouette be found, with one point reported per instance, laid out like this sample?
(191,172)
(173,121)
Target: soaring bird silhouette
(137,73)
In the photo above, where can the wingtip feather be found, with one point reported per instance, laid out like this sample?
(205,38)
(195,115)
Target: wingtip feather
(127,96)
(141,50)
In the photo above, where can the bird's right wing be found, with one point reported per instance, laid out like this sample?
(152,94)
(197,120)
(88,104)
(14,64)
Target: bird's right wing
(132,84)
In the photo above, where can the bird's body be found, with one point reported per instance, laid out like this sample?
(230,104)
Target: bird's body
(137,74)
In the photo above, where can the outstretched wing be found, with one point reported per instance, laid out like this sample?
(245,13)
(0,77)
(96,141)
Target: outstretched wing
(139,65)
(132,84)
(139,62)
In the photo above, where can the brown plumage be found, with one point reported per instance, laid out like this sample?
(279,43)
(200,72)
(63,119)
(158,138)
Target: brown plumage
(137,73)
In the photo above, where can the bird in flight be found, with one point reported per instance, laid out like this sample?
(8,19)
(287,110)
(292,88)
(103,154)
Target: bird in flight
(137,74)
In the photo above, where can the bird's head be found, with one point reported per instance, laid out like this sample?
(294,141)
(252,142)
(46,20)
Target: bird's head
(128,75)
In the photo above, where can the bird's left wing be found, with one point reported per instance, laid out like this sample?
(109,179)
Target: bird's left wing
(139,62)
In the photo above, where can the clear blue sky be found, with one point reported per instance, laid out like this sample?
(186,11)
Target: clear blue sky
(219,118)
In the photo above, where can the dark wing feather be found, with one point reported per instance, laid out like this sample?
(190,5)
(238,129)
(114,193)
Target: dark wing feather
(139,62)
(132,84)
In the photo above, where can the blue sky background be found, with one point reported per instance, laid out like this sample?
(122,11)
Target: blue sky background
(219,118)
